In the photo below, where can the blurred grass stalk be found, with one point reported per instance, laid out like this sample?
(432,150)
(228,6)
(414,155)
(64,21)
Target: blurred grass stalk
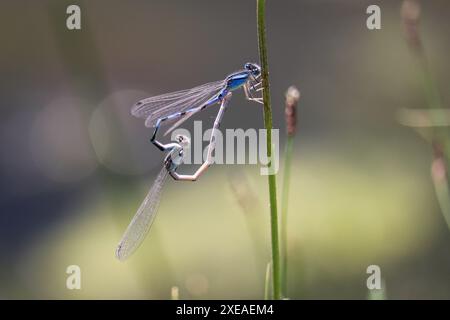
(261,26)
(439,175)
(267,285)
(251,207)
(410,14)
(174,293)
(292,98)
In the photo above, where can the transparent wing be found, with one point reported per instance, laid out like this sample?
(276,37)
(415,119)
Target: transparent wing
(142,220)
(164,105)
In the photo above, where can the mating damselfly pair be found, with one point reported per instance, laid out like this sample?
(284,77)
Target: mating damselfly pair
(175,108)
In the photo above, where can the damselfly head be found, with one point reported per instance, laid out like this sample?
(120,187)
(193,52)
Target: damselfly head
(183,141)
(253,68)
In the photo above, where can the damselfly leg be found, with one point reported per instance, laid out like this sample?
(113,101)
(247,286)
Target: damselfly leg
(250,91)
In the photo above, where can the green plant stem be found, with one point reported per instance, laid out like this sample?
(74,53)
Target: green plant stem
(284,210)
(261,8)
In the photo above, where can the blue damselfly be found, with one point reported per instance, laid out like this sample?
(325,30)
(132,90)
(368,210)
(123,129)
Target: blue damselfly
(183,104)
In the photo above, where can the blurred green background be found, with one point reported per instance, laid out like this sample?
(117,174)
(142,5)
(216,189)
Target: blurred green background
(75,165)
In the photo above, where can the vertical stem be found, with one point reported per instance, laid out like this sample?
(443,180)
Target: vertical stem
(284,209)
(411,12)
(267,283)
(261,6)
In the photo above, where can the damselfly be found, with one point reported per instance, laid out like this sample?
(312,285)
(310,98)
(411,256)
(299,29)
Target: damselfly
(181,105)
(144,217)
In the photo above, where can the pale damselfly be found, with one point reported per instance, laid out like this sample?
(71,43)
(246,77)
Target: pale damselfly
(143,219)
(145,215)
